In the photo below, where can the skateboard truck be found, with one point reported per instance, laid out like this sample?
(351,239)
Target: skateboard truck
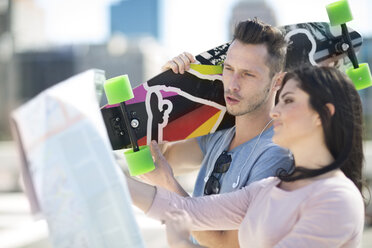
(339,13)
(117,124)
(117,127)
(139,159)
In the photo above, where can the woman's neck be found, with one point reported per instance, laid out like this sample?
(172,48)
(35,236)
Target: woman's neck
(310,154)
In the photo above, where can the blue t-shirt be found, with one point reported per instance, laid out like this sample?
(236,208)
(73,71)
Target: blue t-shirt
(253,160)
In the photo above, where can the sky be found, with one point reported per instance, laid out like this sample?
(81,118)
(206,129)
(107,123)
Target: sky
(184,21)
(186,25)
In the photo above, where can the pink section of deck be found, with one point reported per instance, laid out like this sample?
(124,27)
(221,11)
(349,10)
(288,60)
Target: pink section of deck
(140,95)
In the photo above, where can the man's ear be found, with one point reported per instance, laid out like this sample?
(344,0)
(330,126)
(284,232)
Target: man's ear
(331,108)
(278,80)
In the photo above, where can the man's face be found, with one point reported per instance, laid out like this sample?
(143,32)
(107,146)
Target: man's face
(246,78)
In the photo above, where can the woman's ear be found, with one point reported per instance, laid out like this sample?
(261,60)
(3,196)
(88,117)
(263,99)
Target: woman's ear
(331,108)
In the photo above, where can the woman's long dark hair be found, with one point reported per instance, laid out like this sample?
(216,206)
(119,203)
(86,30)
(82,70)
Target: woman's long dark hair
(342,130)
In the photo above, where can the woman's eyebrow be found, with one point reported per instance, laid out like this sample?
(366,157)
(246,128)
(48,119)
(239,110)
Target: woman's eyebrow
(288,92)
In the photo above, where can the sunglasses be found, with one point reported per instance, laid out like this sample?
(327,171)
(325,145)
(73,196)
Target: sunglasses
(222,165)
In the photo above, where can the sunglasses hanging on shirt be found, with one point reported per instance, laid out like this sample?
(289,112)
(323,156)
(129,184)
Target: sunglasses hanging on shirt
(222,165)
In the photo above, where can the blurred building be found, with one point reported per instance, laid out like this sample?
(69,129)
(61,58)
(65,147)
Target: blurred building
(30,62)
(365,56)
(7,89)
(249,9)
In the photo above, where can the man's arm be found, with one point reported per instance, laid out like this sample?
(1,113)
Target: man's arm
(183,156)
(179,157)
(217,238)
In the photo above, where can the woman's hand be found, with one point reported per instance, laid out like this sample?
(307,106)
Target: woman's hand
(178,224)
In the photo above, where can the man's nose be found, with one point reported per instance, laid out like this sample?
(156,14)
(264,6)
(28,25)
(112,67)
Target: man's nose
(234,83)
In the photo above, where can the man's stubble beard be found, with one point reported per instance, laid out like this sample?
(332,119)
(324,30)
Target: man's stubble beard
(252,106)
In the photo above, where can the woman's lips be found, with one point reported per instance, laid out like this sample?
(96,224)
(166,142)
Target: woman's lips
(276,124)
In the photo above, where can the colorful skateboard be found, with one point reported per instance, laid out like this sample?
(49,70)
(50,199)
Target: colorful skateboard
(171,107)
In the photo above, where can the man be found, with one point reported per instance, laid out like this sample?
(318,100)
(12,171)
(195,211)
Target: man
(231,159)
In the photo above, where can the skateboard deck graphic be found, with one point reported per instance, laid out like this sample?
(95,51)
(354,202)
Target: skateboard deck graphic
(316,44)
(171,107)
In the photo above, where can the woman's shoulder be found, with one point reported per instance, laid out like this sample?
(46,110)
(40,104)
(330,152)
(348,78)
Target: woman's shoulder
(340,202)
(266,182)
(339,183)
(340,191)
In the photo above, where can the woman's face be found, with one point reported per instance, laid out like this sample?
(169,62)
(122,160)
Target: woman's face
(294,119)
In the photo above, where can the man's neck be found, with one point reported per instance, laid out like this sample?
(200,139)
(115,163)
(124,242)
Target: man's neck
(249,126)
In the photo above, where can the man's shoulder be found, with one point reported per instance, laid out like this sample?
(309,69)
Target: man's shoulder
(273,148)
(217,137)
(273,155)
(265,145)
(223,132)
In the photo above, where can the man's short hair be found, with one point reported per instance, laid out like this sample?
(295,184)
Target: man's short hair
(256,32)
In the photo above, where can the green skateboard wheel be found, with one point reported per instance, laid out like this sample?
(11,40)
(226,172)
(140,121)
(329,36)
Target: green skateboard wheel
(139,162)
(339,12)
(118,89)
(361,77)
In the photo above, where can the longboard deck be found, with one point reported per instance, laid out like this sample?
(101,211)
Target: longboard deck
(171,107)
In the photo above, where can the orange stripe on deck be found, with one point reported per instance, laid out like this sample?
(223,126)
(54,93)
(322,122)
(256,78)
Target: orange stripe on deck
(187,124)
(206,127)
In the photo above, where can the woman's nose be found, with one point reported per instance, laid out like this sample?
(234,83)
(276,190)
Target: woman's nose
(274,113)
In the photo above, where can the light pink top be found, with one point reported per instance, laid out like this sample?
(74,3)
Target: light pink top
(326,213)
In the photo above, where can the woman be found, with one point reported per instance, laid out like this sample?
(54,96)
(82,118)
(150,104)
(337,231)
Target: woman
(318,204)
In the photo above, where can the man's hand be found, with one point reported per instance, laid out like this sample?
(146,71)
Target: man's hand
(162,175)
(180,64)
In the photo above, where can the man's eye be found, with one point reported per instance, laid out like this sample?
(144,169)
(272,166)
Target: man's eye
(246,74)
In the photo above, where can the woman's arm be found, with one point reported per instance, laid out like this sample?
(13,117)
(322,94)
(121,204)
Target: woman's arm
(215,212)
(177,223)
(142,194)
